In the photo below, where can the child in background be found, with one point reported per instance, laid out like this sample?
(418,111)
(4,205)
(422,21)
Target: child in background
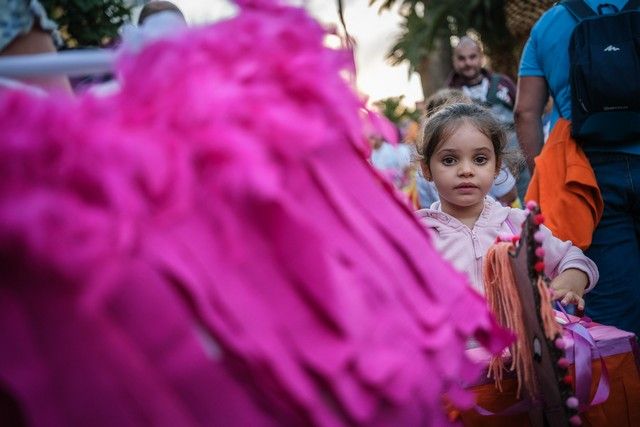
(389,155)
(461,152)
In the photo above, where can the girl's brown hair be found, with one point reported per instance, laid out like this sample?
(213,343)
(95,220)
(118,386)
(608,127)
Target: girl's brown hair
(444,97)
(441,125)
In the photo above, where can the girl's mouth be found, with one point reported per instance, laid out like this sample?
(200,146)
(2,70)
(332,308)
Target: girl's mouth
(465,185)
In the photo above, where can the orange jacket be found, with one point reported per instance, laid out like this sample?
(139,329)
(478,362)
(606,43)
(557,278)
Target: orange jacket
(565,187)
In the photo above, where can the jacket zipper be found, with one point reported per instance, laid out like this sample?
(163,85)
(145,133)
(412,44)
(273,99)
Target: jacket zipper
(477,260)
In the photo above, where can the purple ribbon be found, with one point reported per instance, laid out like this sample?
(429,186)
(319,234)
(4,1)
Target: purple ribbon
(584,348)
(519,407)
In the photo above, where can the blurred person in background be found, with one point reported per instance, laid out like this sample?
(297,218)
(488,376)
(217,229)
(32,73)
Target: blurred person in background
(25,29)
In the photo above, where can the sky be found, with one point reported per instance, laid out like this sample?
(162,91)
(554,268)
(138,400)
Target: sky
(374,34)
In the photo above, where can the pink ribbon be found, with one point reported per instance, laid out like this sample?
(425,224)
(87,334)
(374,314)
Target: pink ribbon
(584,348)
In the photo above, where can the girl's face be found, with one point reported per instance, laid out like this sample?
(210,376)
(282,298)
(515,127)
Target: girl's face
(463,168)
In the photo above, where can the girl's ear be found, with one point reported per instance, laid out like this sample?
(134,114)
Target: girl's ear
(425,171)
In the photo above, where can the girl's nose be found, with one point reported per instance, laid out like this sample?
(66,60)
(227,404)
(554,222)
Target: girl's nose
(466,169)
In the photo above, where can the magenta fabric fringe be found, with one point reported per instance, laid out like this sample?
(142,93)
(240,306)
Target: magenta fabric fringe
(210,247)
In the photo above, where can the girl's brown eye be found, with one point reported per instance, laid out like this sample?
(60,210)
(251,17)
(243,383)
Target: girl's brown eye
(448,161)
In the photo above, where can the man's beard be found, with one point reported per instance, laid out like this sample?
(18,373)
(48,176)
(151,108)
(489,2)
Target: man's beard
(472,75)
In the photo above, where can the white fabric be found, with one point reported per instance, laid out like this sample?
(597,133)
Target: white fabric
(503,183)
(477,92)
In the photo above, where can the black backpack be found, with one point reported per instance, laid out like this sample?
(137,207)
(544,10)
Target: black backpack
(604,58)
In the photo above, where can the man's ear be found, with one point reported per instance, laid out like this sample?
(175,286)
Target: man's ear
(425,171)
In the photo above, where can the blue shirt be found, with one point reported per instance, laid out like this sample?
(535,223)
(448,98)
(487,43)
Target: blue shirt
(546,54)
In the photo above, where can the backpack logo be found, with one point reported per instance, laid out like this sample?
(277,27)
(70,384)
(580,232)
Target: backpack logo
(611,48)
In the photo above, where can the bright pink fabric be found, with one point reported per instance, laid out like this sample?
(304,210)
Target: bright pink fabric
(377,125)
(210,247)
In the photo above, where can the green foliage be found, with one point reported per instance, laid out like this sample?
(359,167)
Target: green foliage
(427,21)
(487,18)
(88,22)
(421,27)
(394,109)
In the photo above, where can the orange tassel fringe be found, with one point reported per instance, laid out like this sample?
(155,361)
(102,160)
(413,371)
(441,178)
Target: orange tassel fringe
(551,327)
(503,300)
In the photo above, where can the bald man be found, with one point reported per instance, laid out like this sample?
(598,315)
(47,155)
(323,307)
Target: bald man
(481,85)
(154,7)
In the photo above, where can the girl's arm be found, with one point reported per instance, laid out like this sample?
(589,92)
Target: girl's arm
(562,255)
(572,272)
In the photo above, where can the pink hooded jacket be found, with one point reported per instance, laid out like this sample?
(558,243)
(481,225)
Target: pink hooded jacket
(465,248)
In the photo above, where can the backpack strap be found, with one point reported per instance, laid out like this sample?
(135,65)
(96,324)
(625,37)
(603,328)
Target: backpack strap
(579,9)
(631,5)
(492,92)
(493,89)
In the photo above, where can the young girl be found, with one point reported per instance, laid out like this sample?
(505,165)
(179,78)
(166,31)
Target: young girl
(504,187)
(461,151)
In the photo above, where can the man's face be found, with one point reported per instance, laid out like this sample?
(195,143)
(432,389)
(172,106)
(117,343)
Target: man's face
(467,62)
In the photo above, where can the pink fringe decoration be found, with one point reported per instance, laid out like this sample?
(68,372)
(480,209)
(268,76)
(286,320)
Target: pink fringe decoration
(377,125)
(210,247)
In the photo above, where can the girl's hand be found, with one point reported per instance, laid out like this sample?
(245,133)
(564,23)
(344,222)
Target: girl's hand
(570,286)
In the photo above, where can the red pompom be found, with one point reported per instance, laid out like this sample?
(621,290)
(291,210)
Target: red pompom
(538,219)
(539,266)
(568,379)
